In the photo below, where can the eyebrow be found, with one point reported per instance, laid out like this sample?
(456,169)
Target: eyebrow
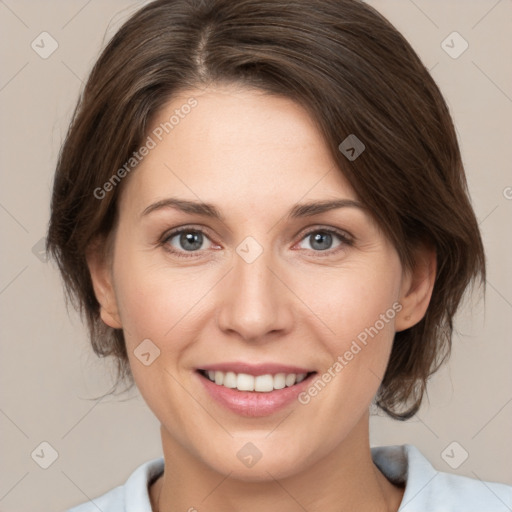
(209,210)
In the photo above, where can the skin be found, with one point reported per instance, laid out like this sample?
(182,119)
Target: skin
(254,156)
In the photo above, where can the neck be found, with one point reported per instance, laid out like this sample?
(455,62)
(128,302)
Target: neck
(345,479)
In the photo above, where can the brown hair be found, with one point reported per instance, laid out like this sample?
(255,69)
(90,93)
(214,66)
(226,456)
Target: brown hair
(355,74)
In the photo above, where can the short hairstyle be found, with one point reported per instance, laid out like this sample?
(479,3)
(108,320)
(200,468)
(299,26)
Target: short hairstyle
(353,72)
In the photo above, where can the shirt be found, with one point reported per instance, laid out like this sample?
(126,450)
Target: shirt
(426,489)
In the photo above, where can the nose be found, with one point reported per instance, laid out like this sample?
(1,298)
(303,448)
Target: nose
(256,303)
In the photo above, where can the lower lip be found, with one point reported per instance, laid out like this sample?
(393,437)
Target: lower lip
(251,403)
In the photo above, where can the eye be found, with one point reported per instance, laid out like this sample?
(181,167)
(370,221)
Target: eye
(192,241)
(186,240)
(321,240)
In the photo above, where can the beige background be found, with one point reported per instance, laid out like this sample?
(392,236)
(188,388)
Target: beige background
(48,372)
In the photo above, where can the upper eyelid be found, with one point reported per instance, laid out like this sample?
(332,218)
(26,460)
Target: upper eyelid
(337,231)
(171,233)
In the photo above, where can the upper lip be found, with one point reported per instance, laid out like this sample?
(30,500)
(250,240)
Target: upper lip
(255,369)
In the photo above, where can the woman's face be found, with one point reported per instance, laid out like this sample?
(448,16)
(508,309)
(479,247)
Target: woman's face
(265,288)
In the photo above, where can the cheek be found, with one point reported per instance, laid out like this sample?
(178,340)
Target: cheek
(367,314)
(155,306)
(150,299)
(362,302)
(161,304)
(360,312)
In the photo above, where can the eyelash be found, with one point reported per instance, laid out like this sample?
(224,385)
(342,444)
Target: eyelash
(346,240)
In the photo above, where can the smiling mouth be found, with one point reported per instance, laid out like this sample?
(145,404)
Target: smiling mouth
(259,384)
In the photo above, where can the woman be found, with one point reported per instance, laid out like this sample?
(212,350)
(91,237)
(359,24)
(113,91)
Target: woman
(261,209)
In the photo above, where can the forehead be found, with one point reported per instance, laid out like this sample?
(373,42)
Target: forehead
(235,145)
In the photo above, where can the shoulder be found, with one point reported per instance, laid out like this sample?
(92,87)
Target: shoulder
(132,496)
(427,489)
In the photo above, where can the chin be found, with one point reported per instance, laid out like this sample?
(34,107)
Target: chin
(258,461)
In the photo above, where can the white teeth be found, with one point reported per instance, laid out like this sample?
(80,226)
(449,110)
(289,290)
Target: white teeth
(261,383)
(279,381)
(219,378)
(290,379)
(244,382)
(264,383)
(230,380)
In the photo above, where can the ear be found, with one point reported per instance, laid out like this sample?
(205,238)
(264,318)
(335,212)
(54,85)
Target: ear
(416,289)
(98,262)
